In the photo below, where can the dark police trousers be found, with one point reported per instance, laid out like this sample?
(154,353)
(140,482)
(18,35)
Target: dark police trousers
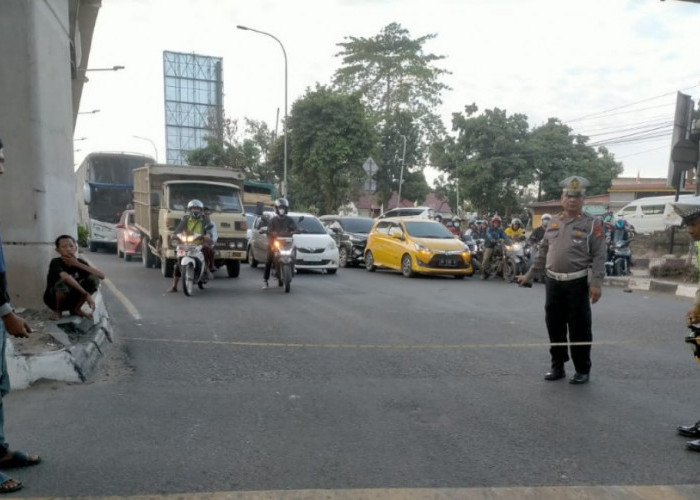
(568,305)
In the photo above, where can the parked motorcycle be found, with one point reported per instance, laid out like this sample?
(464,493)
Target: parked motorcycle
(192,263)
(284,256)
(619,258)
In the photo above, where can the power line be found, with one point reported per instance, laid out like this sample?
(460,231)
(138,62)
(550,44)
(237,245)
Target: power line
(627,105)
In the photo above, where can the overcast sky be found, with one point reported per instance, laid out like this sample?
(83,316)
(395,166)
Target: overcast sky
(602,66)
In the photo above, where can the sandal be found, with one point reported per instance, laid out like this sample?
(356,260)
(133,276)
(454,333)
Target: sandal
(15,459)
(8,485)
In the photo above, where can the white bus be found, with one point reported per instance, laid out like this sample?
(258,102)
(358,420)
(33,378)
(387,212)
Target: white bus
(104,188)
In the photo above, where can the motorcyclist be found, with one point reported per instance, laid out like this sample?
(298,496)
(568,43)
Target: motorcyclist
(619,233)
(282,226)
(515,231)
(538,233)
(494,234)
(438,218)
(456,228)
(195,222)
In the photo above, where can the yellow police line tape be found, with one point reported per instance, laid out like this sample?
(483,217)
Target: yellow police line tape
(395,346)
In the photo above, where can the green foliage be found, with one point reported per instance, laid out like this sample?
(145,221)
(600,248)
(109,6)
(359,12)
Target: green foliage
(83,235)
(497,158)
(331,137)
(401,88)
(249,153)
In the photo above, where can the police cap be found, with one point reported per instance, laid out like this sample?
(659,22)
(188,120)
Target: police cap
(574,185)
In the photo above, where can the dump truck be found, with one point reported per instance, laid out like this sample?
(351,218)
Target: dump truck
(161,194)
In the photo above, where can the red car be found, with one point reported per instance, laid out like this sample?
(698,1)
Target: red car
(128,237)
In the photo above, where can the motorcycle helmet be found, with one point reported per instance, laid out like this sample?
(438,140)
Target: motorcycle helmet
(545,220)
(620,224)
(456,221)
(516,221)
(438,217)
(195,208)
(496,218)
(449,224)
(281,206)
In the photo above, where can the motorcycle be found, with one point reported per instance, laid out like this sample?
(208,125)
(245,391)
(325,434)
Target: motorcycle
(619,258)
(284,256)
(502,262)
(531,250)
(192,264)
(475,249)
(516,252)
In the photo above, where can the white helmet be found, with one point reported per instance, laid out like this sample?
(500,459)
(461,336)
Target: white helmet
(545,219)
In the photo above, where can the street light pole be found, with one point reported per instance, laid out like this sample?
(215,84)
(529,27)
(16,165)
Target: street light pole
(284,52)
(152,144)
(403,160)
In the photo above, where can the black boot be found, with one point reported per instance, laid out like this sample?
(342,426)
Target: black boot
(557,372)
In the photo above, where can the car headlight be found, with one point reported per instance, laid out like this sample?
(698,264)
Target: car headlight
(331,245)
(421,248)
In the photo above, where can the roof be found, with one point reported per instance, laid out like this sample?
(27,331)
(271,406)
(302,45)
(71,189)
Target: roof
(601,199)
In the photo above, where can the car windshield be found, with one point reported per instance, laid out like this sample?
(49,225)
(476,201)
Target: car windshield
(427,229)
(360,225)
(249,219)
(310,225)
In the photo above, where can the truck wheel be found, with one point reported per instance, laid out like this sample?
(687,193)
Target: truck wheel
(146,254)
(233,267)
(167,267)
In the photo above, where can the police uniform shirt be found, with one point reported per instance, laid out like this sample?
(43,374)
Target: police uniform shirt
(571,245)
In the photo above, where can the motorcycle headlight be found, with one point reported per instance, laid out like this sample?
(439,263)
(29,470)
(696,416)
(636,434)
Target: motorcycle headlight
(134,234)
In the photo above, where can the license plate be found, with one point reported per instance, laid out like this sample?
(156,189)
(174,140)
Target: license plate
(447,263)
(312,258)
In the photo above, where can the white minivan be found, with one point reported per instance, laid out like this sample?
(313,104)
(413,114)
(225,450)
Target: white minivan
(654,213)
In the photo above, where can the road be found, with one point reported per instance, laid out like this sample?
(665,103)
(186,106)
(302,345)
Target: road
(360,380)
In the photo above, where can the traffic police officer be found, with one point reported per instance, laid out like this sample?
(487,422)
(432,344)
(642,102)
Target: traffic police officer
(573,243)
(689,210)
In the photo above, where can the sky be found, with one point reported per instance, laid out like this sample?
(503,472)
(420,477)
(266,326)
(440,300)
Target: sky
(610,69)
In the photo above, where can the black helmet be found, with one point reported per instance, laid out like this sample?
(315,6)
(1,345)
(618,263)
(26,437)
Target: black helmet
(281,204)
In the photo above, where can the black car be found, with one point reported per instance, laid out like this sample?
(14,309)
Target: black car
(350,234)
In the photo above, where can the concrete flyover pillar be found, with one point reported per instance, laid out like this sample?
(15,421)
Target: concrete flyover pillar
(37,193)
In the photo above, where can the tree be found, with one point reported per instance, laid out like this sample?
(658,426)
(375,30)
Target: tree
(401,87)
(486,155)
(249,154)
(330,138)
(554,154)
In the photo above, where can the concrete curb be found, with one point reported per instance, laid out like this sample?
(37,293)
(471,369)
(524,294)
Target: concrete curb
(72,363)
(632,283)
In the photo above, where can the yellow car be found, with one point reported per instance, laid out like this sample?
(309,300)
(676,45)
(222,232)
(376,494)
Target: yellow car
(415,245)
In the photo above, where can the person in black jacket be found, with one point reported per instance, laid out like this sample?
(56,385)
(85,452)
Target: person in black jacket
(280,226)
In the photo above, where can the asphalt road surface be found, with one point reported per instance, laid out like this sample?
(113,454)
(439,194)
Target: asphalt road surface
(362,385)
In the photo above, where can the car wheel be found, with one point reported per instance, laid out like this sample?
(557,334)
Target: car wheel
(459,276)
(406,266)
(93,246)
(127,257)
(120,254)
(343,258)
(251,259)
(332,271)
(369,262)
(167,267)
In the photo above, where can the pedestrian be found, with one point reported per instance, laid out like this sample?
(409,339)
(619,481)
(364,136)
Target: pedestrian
(71,281)
(690,215)
(572,243)
(17,327)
